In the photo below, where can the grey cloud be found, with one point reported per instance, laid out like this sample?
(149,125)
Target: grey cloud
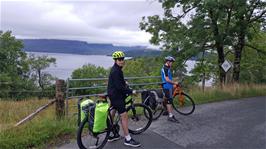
(118,14)
(93,21)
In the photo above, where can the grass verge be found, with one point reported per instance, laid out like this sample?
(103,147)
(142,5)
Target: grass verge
(227,93)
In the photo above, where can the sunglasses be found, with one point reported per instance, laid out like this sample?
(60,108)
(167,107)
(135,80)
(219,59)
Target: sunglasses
(121,59)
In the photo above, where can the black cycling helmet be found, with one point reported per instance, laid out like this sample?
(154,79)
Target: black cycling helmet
(169,58)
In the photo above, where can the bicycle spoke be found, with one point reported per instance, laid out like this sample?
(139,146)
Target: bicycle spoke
(139,119)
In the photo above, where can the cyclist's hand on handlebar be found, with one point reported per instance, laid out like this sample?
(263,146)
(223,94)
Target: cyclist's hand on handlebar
(134,92)
(177,84)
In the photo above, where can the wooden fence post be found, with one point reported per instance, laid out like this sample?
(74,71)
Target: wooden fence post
(60,103)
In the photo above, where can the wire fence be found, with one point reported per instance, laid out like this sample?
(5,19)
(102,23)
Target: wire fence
(16,91)
(77,88)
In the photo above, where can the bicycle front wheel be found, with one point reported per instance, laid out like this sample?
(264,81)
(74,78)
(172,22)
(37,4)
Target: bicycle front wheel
(183,104)
(139,118)
(86,139)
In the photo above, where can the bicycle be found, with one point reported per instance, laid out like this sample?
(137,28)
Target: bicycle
(139,117)
(182,102)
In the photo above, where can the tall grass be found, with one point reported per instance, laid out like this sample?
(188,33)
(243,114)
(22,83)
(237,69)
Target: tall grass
(13,111)
(227,92)
(43,129)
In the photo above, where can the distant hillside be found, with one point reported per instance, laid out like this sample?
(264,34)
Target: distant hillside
(80,47)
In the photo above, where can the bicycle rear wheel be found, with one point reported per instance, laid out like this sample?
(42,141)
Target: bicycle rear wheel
(87,140)
(139,118)
(183,104)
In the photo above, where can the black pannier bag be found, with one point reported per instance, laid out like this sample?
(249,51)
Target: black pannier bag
(152,98)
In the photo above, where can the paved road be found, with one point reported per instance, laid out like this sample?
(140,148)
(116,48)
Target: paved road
(235,124)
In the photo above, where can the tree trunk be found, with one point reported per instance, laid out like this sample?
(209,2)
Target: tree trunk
(238,50)
(236,69)
(40,79)
(222,76)
(203,82)
(40,95)
(203,75)
(218,45)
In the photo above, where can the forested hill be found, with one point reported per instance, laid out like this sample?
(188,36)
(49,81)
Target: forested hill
(81,47)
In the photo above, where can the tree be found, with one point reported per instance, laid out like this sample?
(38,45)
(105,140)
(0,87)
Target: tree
(250,15)
(144,66)
(19,74)
(12,58)
(14,67)
(203,69)
(253,68)
(212,25)
(37,65)
(89,71)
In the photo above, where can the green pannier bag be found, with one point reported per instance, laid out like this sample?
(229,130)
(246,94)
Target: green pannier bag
(100,116)
(84,104)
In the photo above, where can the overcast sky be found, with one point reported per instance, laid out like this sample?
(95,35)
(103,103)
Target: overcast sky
(95,21)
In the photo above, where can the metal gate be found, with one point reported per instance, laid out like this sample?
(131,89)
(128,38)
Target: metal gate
(88,87)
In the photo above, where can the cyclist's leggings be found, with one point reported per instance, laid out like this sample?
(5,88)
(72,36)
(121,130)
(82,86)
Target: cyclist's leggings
(168,93)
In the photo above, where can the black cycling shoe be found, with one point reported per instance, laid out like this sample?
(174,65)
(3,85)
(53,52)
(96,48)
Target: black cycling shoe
(113,138)
(165,113)
(132,143)
(173,119)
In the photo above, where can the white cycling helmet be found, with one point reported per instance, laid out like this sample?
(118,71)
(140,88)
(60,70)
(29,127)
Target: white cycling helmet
(169,58)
